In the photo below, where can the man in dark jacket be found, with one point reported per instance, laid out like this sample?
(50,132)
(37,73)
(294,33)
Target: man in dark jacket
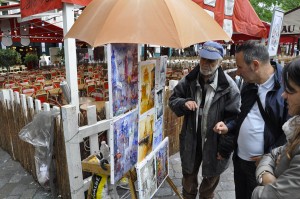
(204,97)
(257,129)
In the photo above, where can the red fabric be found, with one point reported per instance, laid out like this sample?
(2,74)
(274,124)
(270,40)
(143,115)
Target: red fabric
(244,19)
(78,2)
(29,7)
(218,10)
(239,38)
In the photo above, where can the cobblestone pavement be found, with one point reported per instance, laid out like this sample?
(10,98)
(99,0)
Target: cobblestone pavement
(16,183)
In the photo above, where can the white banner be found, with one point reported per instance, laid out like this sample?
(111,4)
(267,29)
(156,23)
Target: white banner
(274,34)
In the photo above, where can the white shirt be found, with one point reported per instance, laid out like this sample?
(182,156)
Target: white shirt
(251,135)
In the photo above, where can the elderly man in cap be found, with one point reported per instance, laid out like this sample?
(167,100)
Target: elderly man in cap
(204,97)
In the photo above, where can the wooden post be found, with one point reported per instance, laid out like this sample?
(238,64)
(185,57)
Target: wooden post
(70,126)
(132,177)
(172,185)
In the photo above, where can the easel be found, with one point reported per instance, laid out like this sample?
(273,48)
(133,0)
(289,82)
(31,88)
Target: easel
(132,177)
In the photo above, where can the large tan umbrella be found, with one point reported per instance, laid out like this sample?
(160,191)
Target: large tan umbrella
(172,23)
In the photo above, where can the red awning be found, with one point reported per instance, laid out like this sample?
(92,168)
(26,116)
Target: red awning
(238,38)
(244,18)
(246,21)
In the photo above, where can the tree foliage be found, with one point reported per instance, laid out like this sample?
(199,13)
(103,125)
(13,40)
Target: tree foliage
(31,59)
(9,57)
(264,8)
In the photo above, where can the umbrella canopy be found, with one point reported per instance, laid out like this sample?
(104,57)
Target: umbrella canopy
(176,24)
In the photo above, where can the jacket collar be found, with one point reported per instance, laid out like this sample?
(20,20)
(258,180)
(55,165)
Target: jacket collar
(277,75)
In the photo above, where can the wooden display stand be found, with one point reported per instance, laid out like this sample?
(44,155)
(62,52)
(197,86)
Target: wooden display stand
(131,175)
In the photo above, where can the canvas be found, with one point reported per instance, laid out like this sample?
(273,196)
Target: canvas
(123,77)
(124,135)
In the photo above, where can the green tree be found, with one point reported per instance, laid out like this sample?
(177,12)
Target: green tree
(264,8)
(31,60)
(9,57)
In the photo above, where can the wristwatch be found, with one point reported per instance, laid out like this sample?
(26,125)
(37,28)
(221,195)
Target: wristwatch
(259,179)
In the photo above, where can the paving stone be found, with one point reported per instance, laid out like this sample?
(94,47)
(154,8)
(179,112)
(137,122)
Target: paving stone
(3,181)
(228,185)
(25,187)
(28,193)
(227,194)
(171,173)
(7,189)
(164,192)
(12,197)
(18,190)
(177,168)
(42,194)
(178,175)
(16,178)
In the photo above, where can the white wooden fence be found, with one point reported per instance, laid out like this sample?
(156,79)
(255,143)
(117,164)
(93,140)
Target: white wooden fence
(14,97)
(73,135)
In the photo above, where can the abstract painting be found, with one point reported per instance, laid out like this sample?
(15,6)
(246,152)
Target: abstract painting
(162,163)
(158,133)
(153,170)
(124,135)
(145,137)
(123,77)
(146,85)
(160,72)
(159,106)
(147,182)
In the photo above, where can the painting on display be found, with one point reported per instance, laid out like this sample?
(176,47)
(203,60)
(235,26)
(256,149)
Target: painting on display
(145,137)
(147,181)
(123,152)
(153,170)
(162,163)
(159,106)
(146,85)
(160,72)
(123,77)
(158,133)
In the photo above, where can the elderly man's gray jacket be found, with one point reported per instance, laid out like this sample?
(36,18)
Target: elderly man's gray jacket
(224,106)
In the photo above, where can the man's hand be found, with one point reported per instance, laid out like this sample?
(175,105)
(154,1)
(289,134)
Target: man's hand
(220,128)
(191,105)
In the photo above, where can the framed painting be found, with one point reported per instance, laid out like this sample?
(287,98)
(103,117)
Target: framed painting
(145,137)
(122,77)
(146,85)
(160,72)
(124,144)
